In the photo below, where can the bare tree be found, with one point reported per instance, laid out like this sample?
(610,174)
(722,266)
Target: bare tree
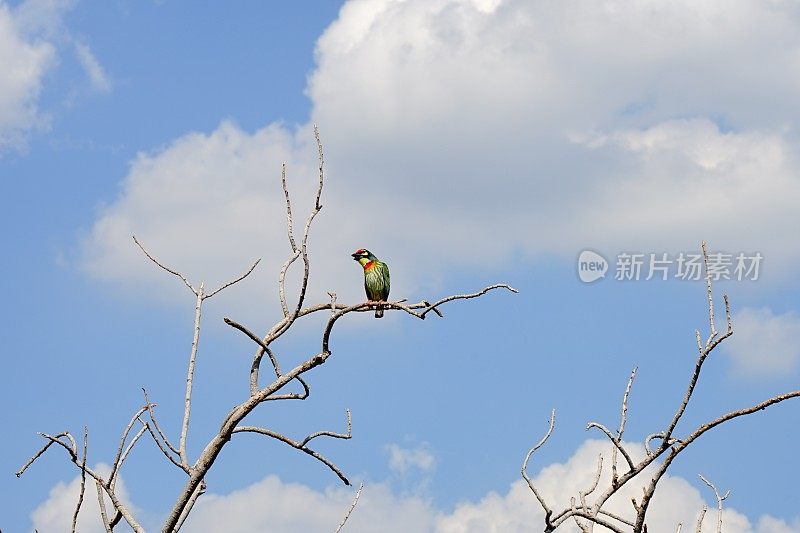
(662,448)
(276,388)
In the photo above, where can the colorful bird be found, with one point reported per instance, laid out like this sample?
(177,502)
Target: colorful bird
(376,278)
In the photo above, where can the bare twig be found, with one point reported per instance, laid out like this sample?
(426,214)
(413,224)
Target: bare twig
(615,517)
(83,480)
(350,510)
(719,498)
(593,486)
(161,265)
(700,518)
(187,402)
(151,412)
(234,281)
(102,502)
(347,435)
(433,307)
(617,444)
(622,420)
(166,448)
(713,341)
(71,449)
(162,448)
(38,454)
(121,455)
(547,510)
(295,444)
(199,491)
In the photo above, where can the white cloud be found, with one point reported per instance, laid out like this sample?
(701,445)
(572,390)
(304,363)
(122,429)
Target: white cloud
(97,75)
(402,460)
(31,35)
(462,132)
(43,17)
(764,344)
(290,507)
(55,513)
(25,62)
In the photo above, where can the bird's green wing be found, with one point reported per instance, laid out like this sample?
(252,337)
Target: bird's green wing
(383,270)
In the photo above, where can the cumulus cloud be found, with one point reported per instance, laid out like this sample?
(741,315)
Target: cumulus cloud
(765,344)
(272,504)
(277,506)
(55,513)
(25,61)
(460,132)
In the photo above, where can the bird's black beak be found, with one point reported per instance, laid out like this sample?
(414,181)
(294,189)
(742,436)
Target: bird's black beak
(355,256)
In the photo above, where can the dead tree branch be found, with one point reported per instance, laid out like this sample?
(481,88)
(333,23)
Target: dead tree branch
(719,498)
(666,450)
(83,479)
(275,390)
(350,510)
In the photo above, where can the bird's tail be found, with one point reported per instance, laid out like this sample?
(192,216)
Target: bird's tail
(379,311)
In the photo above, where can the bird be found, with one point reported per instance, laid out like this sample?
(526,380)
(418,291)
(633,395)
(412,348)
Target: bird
(376,278)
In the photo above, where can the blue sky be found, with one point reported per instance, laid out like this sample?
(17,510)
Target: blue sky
(467,142)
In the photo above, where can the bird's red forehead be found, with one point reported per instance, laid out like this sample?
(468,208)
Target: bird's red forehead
(360,251)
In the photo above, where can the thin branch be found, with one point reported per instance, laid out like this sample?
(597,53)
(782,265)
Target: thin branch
(120,457)
(282,280)
(621,429)
(295,251)
(199,491)
(113,480)
(39,453)
(235,281)
(348,435)
(593,486)
(83,480)
(161,265)
(614,441)
(163,449)
(719,498)
(294,444)
(434,309)
(582,513)
(151,411)
(547,510)
(187,401)
(350,510)
(713,341)
(735,414)
(118,505)
(575,516)
(700,518)
(466,297)
(654,436)
(102,502)
(321,158)
(615,517)
(709,296)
